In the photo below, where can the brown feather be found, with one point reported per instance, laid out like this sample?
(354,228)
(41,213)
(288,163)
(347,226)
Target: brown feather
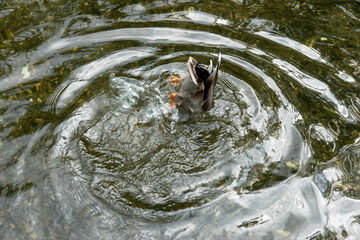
(196,94)
(209,87)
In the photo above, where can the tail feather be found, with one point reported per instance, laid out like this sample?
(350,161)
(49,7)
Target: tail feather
(192,63)
(209,87)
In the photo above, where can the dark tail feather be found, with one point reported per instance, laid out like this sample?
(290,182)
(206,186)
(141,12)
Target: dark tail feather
(210,86)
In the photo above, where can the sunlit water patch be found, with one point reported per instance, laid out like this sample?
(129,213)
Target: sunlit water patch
(91,148)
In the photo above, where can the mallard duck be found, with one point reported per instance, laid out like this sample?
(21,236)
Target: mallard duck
(197,91)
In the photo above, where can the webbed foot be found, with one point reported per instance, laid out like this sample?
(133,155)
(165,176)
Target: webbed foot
(174,79)
(172,102)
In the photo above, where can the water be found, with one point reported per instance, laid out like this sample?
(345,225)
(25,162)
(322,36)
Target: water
(91,149)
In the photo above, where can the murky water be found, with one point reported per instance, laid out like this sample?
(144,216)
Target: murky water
(90,148)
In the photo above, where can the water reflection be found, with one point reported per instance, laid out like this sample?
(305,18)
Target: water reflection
(91,148)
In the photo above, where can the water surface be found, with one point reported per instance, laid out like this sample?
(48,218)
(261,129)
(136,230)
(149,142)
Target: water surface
(90,148)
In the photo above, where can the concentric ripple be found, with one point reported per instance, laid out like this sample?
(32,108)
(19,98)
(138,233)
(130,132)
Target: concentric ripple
(142,157)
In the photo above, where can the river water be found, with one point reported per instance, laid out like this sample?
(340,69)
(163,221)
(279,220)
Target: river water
(90,148)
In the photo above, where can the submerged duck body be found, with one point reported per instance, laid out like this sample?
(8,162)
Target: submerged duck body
(197,91)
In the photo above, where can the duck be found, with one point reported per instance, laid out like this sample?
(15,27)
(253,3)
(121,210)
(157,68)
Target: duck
(197,90)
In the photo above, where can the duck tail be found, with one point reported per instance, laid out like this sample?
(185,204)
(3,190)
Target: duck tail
(209,87)
(192,63)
